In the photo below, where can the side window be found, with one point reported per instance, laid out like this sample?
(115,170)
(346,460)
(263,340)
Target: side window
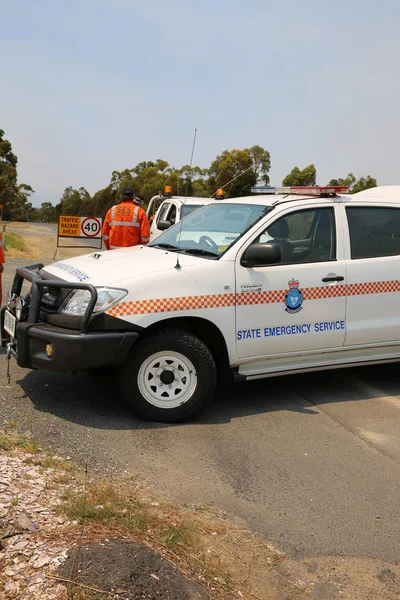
(374,231)
(304,236)
(172,214)
(162,215)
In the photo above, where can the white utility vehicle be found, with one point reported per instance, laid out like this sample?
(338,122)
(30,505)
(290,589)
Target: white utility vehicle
(173,210)
(165,210)
(241,289)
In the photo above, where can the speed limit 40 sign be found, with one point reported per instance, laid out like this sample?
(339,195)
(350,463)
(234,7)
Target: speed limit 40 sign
(90,227)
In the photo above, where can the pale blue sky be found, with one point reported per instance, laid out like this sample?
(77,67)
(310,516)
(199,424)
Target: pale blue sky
(90,86)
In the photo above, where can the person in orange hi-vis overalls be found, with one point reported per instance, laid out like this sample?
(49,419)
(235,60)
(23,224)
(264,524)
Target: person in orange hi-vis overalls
(126,224)
(2,261)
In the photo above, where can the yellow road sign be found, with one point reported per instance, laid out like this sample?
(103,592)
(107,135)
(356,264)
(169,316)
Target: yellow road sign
(69,226)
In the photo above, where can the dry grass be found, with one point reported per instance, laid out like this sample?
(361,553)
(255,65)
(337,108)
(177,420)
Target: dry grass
(77,591)
(10,439)
(204,547)
(54,462)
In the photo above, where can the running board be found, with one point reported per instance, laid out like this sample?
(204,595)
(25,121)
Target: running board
(244,373)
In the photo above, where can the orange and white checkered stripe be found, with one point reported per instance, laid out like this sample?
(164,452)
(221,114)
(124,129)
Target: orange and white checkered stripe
(144,307)
(248,298)
(373,287)
(183,303)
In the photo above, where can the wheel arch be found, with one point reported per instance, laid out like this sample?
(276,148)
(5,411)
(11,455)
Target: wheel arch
(207,332)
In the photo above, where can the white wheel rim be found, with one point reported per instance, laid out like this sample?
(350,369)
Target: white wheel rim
(167,379)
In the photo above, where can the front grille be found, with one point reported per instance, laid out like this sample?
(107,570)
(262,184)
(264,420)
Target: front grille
(50,296)
(53,291)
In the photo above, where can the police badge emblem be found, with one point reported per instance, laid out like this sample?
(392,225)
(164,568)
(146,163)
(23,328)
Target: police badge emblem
(293,297)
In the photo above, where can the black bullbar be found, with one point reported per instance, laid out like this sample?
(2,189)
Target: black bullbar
(41,345)
(38,283)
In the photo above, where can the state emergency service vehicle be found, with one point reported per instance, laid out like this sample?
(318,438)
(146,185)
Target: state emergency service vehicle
(240,289)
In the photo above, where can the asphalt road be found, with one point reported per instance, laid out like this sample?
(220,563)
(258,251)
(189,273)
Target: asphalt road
(311,462)
(32,229)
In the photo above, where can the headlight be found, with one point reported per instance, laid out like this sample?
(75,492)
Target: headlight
(78,302)
(18,308)
(21,307)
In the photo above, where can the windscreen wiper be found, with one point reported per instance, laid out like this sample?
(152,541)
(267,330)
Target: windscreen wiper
(167,246)
(199,251)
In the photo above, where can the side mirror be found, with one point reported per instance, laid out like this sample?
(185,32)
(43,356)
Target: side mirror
(261,255)
(163,225)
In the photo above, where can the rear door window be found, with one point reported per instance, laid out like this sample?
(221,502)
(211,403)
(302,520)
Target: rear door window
(374,231)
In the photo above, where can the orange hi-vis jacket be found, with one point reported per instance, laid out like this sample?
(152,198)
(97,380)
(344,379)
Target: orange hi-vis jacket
(2,260)
(125,225)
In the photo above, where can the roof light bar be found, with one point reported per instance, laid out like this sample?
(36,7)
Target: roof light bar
(263,189)
(316,190)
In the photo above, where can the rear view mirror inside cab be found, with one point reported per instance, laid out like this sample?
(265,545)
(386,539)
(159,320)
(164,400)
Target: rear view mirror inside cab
(163,225)
(261,255)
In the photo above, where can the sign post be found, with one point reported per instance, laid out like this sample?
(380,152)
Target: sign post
(86,231)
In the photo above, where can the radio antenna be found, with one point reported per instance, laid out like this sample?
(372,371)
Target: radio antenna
(236,177)
(191,162)
(178,266)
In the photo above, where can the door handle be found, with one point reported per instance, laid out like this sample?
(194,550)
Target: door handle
(332,278)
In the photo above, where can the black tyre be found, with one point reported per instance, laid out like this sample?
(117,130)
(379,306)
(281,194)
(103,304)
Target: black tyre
(168,376)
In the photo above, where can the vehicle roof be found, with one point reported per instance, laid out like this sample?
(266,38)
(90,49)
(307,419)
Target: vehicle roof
(383,192)
(191,200)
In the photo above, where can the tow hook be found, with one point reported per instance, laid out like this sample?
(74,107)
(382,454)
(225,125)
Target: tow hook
(9,348)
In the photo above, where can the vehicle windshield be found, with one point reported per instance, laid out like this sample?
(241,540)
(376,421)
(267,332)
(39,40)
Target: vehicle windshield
(188,208)
(211,230)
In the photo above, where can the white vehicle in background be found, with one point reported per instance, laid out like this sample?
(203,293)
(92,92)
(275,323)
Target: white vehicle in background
(165,210)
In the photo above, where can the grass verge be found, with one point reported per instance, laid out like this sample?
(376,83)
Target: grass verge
(14,242)
(206,548)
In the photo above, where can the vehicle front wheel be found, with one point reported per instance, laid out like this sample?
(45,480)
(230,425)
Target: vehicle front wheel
(168,376)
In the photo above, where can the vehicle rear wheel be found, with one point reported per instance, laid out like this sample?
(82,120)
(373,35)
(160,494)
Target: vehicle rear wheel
(169,376)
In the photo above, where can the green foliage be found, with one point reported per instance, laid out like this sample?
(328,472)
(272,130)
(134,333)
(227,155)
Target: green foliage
(308,176)
(349,180)
(364,183)
(150,178)
(47,213)
(14,197)
(261,163)
(75,202)
(243,168)
(103,200)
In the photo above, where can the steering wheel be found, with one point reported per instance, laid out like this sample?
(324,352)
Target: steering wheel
(207,241)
